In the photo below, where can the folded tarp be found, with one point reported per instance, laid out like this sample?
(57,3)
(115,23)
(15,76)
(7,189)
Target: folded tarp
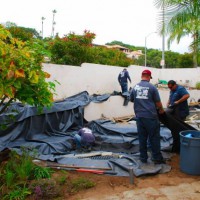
(20,112)
(176,126)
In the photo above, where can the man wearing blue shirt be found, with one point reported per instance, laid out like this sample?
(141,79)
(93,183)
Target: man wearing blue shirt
(123,78)
(146,105)
(178,100)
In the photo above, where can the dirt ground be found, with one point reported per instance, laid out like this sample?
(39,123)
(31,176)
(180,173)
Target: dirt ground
(110,185)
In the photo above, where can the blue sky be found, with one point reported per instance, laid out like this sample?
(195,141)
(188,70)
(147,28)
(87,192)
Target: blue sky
(128,21)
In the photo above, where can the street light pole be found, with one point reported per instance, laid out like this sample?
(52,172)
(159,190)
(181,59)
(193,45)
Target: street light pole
(145,53)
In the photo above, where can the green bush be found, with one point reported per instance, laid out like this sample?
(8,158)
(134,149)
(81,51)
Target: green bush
(198,85)
(77,49)
(22,77)
(16,173)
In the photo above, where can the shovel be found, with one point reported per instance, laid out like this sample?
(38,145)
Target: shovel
(87,170)
(74,168)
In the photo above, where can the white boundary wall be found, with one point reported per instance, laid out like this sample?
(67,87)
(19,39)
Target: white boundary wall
(102,79)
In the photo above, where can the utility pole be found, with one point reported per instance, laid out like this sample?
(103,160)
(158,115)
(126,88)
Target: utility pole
(53,23)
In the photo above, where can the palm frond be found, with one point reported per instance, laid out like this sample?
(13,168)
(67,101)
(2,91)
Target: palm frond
(178,18)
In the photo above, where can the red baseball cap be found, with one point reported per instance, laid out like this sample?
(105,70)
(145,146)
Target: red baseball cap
(146,71)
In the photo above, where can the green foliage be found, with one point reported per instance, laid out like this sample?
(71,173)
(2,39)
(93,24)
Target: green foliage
(38,184)
(23,33)
(153,58)
(17,172)
(19,168)
(198,85)
(72,49)
(62,180)
(81,183)
(131,47)
(22,77)
(41,47)
(42,172)
(172,59)
(140,61)
(181,18)
(9,177)
(9,24)
(102,55)
(76,49)
(19,193)
(24,169)
(185,61)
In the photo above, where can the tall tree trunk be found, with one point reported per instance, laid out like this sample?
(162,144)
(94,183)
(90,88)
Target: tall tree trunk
(195,49)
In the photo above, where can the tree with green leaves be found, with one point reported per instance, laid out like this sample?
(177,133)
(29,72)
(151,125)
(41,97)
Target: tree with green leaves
(73,49)
(185,61)
(21,75)
(22,33)
(181,18)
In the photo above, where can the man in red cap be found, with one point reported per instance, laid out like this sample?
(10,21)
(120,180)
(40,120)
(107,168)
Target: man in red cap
(146,103)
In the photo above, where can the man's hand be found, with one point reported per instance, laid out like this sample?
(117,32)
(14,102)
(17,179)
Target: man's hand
(161,111)
(176,102)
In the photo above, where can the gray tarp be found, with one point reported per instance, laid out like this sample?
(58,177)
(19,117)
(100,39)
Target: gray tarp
(50,133)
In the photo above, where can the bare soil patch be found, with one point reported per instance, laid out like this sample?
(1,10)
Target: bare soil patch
(111,185)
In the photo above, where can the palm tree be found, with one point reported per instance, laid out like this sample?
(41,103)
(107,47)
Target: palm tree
(42,25)
(53,23)
(182,18)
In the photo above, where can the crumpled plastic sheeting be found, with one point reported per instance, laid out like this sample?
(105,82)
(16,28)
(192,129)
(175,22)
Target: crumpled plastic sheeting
(50,133)
(21,112)
(44,131)
(99,98)
(123,137)
(176,126)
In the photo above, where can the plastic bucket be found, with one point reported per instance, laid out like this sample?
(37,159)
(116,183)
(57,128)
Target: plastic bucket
(190,152)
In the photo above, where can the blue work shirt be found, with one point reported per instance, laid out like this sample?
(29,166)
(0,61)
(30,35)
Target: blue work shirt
(124,77)
(145,95)
(177,94)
